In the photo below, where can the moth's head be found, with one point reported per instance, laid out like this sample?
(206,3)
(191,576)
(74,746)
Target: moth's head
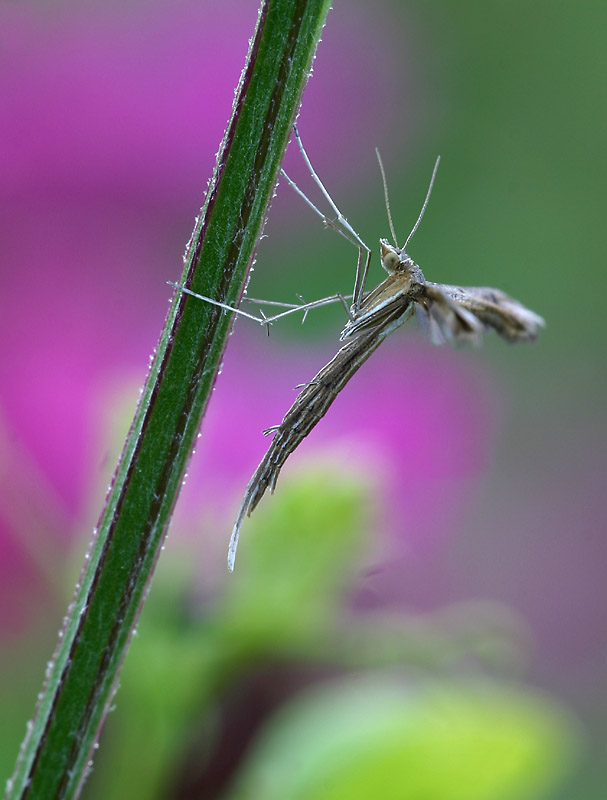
(392,258)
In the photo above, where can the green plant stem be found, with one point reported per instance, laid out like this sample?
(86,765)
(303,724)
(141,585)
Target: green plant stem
(81,678)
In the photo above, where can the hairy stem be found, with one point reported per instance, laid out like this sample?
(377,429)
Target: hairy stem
(81,678)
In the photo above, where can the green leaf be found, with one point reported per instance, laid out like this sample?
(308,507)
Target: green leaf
(281,602)
(296,559)
(364,739)
(82,675)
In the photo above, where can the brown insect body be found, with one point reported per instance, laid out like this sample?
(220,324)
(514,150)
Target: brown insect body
(447,312)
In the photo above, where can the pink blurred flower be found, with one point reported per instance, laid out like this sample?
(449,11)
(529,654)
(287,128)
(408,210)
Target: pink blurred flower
(109,128)
(110,119)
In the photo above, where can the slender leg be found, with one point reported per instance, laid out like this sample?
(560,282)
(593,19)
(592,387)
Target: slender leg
(225,306)
(347,231)
(278,303)
(324,301)
(361,277)
(349,314)
(329,223)
(364,254)
(292,308)
(340,217)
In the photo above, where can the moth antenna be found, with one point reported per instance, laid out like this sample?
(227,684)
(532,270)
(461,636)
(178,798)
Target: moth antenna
(386,198)
(421,213)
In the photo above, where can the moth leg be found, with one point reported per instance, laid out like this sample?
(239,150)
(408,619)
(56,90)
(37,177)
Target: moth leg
(305,307)
(362,268)
(340,217)
(217,303)
(348,234)
(277,303)
(291,308)
(346,230)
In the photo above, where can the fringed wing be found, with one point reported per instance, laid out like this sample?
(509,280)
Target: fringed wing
(463,314)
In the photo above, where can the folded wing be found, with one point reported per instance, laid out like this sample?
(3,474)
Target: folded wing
(463,314)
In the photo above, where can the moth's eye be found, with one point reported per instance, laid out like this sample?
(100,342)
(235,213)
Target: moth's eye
(390,260)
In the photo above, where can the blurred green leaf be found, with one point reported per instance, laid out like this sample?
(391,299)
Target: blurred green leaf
(281,600)
(375,737)
(297,556)
(164,698)
(284,602)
